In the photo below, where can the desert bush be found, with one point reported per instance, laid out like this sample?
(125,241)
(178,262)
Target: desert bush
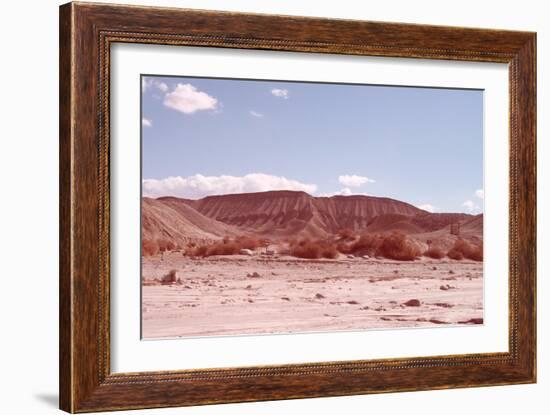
(166,245)
(397,246)
(393,246)
(312,249)
(247,242)
(436,253)
(346,234)
(224,247)
(149,248)
(462,249)
(367,244)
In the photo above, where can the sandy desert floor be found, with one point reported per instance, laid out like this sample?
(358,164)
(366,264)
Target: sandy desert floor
(222,296)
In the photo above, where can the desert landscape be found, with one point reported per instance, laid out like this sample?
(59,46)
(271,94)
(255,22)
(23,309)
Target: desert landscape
(286,262)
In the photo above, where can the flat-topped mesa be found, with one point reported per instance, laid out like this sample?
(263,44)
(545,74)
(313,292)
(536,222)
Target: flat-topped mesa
(285,213)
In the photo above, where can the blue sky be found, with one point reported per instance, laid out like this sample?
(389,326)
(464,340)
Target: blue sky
(213,136)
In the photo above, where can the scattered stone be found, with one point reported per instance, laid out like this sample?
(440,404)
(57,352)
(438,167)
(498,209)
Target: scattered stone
(249,287)
(436,321)
(353,302)
(274,273)
(253,275)
(250,300)
(365,257)
(365,308)
(434,268)
(319,296)
(385,318)
(412,303)
(245,251)
(472,321)
(285,298)
(444,305)
(446,287)
(451,271)
(395,271)
(351,256)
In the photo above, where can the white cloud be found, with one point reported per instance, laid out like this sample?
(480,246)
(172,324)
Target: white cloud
(427,207)
(198,186)
(162,86)
(470,207)
(480,193)
(148,83)
(188,99)
(354,180)
(280,93)
(345,191)
(146,122)
(256,114)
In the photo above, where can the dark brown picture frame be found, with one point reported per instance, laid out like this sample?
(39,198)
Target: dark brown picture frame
(86,33)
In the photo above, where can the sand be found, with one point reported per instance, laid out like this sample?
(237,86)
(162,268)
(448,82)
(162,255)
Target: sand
(219,296)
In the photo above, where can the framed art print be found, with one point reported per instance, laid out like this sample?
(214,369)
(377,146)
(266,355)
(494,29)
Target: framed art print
(260,207)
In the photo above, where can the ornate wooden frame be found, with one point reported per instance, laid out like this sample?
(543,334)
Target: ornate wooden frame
(86,33)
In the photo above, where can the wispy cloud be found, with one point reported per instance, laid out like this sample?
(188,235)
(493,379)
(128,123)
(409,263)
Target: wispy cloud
(188,99)
(198,186)
(345,191)
(150,83)
(471,207)
(280,93)
(427,207)
(256,114)
(354,180)
(146,122)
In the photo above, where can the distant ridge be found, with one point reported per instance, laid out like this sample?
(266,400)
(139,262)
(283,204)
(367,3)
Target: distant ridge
(291,214)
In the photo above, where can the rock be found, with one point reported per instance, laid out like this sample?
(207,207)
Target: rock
(436,321)
(170,278)
(434,268)
(248,252)
(353,302)
(319,296)
(253,275)
(351,256)
(472,321)
(413,303)
(249,287)
(451,271)
(443,287)
(285,298)
(365,257)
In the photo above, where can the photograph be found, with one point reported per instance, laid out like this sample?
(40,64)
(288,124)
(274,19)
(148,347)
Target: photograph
(275,207)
